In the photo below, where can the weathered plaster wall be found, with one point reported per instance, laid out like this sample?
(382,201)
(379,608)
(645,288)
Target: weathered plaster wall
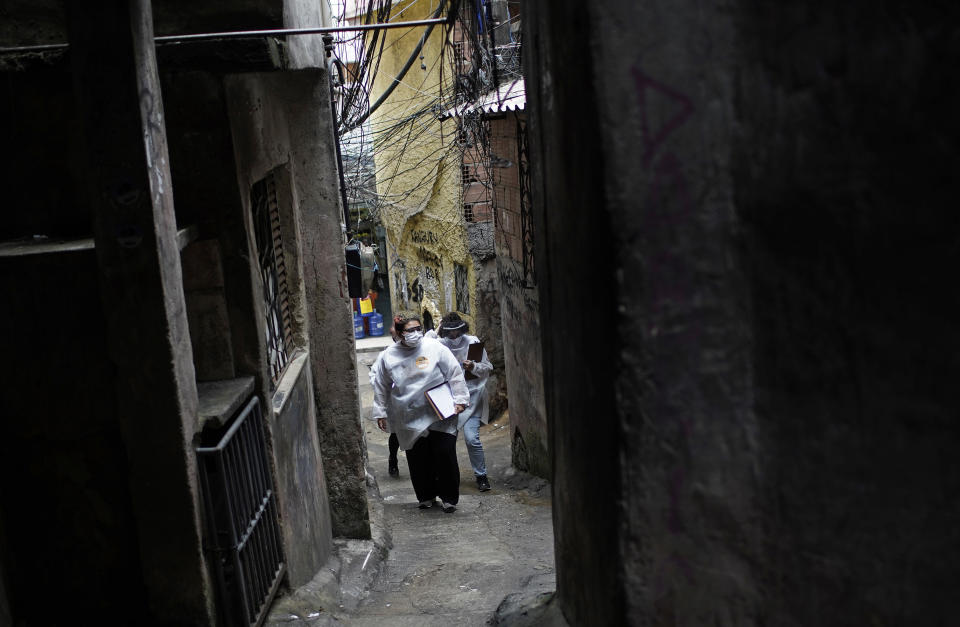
(519,303)
(293,110)
(305,51)
(771,191)
(487,323)
(523,360)
(299,475)
(419,181)
(207,316)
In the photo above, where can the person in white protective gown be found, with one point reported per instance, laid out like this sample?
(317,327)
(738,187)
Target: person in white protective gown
(407,370)
(453,334)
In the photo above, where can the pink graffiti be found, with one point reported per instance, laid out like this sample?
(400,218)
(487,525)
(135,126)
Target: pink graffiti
(652,140)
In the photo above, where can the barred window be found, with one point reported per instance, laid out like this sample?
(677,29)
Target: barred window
(273,273)
(462,289)
(468,212)
(526,206)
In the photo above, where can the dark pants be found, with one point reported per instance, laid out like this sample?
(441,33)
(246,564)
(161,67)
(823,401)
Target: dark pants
(433,467)
(394,445)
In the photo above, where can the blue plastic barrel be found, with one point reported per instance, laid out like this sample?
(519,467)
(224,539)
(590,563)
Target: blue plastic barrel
(376,324)
(357,326)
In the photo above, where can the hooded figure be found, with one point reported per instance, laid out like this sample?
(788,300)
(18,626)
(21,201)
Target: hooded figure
(453,335)
(406,370)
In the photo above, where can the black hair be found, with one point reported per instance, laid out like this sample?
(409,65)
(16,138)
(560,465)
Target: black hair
(402,322)
(453,319)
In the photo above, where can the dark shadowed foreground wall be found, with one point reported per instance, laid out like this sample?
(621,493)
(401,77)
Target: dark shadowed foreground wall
(769,436)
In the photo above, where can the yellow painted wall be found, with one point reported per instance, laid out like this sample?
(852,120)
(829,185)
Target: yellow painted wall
(418,176)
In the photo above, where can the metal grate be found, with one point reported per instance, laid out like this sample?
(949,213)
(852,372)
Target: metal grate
(273,272)
(526,217)
(462,289)
(241,515)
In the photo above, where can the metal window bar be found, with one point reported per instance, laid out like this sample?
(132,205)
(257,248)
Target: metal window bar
(273,272)
(461,288)
(526,206)
(243,531)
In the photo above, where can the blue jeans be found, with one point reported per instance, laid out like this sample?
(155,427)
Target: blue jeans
(471,437)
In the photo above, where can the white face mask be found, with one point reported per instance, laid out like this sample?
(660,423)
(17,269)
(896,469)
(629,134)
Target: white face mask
(412,338)
(457,343)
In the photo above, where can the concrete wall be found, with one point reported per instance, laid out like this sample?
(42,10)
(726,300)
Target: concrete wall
(67,514)
(283,119)
(519,305)
(304,51)
(487,323)
(765,435)
(6,615)
(207,314)
(51,139)
(522,355)
(299,474)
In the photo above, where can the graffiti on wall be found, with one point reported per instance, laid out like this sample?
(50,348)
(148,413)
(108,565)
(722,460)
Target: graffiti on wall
(424,237)
(415,285)
(429,257)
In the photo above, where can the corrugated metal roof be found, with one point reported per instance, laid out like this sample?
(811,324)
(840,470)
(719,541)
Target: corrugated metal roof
(509,97)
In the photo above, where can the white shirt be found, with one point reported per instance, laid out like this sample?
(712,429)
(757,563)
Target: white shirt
(479,406)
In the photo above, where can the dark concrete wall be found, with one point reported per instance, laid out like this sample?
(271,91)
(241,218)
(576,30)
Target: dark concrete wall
(579,366)
(6,616)
(765,435)
(207,196)
(48,146)
(44,21)
(850,236)
(207,313)
(68,522)
(127,183)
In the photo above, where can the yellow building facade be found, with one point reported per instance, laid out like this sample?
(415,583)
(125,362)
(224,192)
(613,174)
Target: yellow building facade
(418,161)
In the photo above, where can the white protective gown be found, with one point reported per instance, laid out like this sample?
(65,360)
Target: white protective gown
(401,379)
(479,405)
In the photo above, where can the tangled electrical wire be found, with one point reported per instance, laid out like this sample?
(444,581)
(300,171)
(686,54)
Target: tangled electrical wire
(429,127)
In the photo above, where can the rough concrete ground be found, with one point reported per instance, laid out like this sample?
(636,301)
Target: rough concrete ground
(425,567)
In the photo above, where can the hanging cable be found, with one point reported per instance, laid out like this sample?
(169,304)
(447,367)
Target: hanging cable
(403,70)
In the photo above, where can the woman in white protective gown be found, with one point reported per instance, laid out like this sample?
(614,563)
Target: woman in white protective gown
(407,369)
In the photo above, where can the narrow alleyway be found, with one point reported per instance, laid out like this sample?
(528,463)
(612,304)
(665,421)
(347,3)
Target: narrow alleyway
(441,569)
